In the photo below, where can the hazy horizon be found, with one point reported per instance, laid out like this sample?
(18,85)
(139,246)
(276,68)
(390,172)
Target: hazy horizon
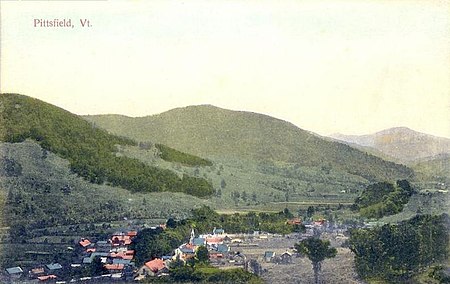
(326,135)
(350,67)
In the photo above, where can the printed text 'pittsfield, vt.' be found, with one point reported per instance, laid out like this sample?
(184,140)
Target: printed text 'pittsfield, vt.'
(61,23)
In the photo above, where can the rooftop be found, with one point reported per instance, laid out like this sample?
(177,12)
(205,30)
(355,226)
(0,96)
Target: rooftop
(155,265)
(118,266)
(84,242)
(54,266)
(14,270)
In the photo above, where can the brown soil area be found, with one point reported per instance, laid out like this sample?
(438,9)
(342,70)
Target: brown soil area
(338,270)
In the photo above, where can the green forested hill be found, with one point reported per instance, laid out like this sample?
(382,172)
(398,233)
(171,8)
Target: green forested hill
(217,133)
(92,152)
(436,168)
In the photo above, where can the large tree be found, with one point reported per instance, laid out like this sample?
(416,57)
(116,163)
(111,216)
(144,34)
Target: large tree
(202,255)
(316,250)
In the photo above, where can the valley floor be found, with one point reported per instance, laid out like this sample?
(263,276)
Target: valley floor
(337,270)
(334,271)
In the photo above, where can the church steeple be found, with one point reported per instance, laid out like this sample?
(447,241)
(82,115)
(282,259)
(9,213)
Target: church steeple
(191,240)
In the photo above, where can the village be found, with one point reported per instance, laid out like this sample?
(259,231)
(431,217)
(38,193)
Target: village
(260,253)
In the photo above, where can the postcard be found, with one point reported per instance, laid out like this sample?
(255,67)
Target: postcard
(224,141)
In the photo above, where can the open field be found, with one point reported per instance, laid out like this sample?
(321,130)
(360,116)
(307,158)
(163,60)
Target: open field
(334,271)
(337,270)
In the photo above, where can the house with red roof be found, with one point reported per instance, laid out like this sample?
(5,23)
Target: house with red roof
(121,252)
(35,272)
(215,255)
(121,255)
(120,240)
(47,277)
(155,265)
(114,268)
(214,241)
(84,242)
(185,251)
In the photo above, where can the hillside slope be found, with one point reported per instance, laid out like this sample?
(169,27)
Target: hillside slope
(45,207)
(222,134)
(437,168)
(92,152)
(401,143)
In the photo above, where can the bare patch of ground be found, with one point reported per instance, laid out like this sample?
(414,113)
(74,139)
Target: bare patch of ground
(337,270)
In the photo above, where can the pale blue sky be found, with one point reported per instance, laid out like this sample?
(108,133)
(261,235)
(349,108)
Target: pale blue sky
(353,67)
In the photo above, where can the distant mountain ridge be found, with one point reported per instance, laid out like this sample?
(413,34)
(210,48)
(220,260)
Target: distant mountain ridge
(213,132)
(401,143)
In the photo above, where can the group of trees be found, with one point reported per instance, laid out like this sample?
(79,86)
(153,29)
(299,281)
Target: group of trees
(92,151)
(205,219)
(153,243)
(383,198)
(397,252)
(172,155)
(244,196)
(203,273)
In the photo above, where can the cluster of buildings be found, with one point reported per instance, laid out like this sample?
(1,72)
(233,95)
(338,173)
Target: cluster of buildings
(114,255)
(219,249)
(214,242)
(42,273)
(284,258)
